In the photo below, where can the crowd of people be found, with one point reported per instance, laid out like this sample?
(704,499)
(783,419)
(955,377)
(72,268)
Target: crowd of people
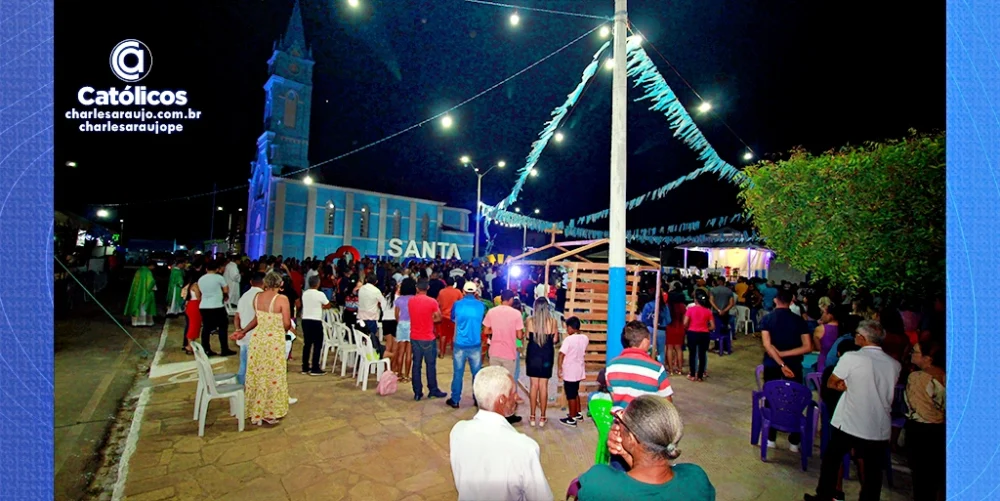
(863,346)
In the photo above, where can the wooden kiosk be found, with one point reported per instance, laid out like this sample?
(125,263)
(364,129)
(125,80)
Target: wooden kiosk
(587,294)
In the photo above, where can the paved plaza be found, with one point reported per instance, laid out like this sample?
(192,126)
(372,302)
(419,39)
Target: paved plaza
(339,443)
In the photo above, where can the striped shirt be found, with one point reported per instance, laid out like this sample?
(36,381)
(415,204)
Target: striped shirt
(634,374)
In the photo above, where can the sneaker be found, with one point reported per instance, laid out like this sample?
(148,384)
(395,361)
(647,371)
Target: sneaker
(568,421)
(317,373)
(453,405)
(437,394)
(292,400)
(792,447)
(417,397)
(578,417)
(305,372)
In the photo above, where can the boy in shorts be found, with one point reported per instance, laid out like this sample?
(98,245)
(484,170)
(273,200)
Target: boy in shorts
(572,369)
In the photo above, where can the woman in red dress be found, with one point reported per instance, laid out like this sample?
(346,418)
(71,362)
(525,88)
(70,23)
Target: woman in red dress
(192,296)
(675,330)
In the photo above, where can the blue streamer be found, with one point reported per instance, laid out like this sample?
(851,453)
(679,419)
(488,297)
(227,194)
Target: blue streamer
(643,72)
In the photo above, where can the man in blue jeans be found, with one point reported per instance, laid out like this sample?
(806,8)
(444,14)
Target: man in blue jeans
(424,313)
(468,316)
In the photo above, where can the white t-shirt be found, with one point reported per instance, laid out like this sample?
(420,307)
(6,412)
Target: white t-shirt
(310,273)
(369,298)
(388,309)
(313,302)
(211,285)
(863,410)
(247,312)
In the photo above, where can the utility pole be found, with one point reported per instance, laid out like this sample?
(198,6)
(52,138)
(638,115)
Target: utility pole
(479,211)
(616,207)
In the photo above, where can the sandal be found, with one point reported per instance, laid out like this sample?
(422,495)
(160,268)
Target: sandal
(531,421)
(541,422)
(692,378)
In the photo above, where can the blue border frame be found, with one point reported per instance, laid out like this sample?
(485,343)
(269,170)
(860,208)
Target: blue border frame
(26,221)
(973,74)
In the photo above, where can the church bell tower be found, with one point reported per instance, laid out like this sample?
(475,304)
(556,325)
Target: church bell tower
(284,145)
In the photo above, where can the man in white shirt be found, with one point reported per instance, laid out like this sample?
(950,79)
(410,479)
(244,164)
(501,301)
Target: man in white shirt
(490,275)
(490,460)
(245,313)
(214,291)
(369,309)
(232,276)
(313,304)
(861,420)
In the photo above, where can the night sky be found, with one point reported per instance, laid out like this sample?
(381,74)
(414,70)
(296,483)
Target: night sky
(813,73)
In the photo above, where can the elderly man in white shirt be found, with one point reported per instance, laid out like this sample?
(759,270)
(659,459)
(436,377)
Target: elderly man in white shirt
(245,313)
(369,310)
(862,420)
(490,460)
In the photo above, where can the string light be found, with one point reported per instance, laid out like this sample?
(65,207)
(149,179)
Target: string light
(307,180)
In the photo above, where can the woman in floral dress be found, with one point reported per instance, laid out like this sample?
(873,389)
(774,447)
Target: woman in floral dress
(266,380)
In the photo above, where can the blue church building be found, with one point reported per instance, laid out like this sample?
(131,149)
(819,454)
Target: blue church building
(291,218)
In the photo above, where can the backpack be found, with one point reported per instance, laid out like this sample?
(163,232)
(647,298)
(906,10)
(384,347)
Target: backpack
(387,383)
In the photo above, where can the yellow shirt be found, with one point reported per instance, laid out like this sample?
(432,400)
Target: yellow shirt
(741,289)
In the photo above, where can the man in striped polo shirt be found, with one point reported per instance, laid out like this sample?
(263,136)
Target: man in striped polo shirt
(634,373)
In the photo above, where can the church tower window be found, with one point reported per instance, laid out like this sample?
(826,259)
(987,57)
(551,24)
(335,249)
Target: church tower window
(291,106)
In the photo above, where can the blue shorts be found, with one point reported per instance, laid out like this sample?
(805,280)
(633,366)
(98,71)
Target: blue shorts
(403,331)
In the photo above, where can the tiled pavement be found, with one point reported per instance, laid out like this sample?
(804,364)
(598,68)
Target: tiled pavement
(338,442)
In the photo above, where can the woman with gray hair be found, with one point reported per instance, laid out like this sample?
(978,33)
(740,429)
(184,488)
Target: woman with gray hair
(646,435)
(543,334)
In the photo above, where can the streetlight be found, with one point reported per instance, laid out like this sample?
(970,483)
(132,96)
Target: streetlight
(353,3)
(219,208)
(537,211)
(479,194)
(609,64)
(308,179)
(515,19)
(517,210)
(121,233)
(605,32)
(747,156)
(103,213)
(705,107)
(446,121)
(534,172)
(71,164)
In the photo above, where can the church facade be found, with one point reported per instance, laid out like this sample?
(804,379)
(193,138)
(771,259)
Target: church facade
(288,217)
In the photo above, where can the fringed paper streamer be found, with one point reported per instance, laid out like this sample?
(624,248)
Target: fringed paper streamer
(643,72)
(539,145)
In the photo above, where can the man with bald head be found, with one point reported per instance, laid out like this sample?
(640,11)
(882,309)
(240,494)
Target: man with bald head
(489,458)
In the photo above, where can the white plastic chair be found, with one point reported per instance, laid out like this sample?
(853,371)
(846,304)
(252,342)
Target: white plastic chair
(743,321)
(347,350)
(368,360)
(213,391)
(329,344)
(201,358)
(230,309)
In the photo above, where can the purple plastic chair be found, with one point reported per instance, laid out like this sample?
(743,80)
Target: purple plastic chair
(814,380)
(787,406)
(755,397)
(574,489)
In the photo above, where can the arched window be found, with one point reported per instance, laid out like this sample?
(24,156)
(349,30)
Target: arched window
(331,213)
(397,223)
(425,228)
(364,226)
(291,106)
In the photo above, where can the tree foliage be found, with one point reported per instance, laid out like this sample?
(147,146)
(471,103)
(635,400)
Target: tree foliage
(870,216)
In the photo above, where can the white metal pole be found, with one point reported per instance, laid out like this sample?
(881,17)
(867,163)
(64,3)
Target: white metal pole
(524,241)
(616,242)
(479,201)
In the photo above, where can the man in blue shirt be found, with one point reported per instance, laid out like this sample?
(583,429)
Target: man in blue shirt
(468,316)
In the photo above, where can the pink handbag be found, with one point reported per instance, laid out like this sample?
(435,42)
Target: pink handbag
(387,383)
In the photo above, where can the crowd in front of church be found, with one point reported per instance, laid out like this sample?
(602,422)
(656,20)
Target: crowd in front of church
(864,346)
